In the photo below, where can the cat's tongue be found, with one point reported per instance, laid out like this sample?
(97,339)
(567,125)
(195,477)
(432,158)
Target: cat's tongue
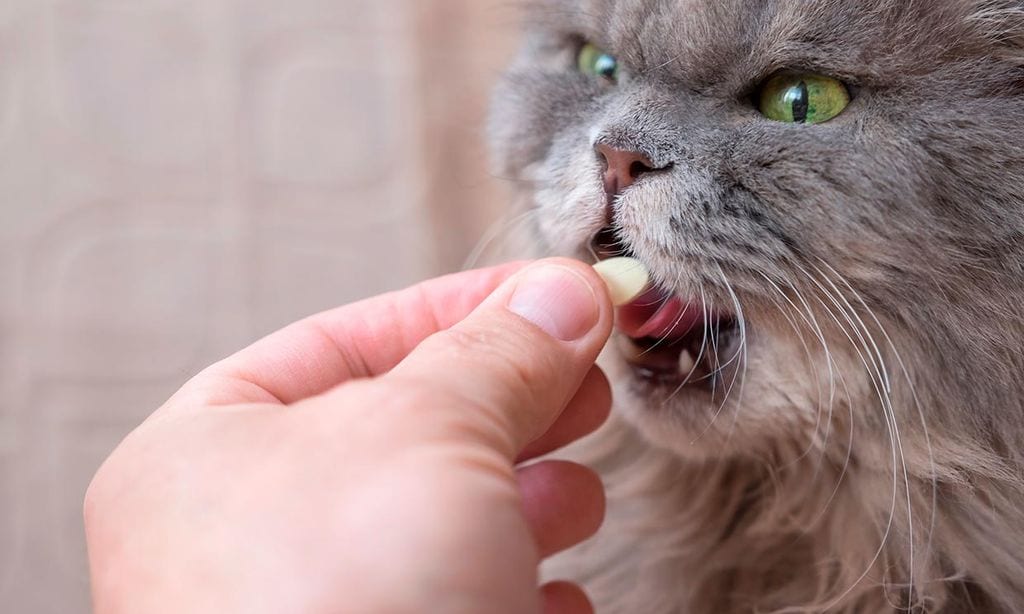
(659,314)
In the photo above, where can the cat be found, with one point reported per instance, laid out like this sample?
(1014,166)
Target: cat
(820,405)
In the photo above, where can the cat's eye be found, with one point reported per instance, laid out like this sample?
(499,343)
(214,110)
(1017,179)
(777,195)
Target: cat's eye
(596,62)
(803,98)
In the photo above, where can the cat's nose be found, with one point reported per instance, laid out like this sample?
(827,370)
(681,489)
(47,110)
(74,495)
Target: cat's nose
(623,167)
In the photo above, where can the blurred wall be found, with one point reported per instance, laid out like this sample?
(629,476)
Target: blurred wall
(179,177)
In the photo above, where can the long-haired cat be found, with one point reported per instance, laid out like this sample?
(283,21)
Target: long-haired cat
(820,407)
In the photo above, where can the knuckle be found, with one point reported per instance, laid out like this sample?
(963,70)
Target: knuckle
(500,376)
(513,360)
(465,341)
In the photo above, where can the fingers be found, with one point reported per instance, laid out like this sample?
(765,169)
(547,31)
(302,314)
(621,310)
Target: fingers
(360,340)
(565,598)
(563,502)
(509,369)
(587,411)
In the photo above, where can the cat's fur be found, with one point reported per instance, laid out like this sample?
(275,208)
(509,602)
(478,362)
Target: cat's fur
(869,457)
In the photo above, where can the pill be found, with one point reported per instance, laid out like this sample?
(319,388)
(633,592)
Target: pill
(627,278)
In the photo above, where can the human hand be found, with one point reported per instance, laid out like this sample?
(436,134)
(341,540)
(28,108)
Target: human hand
(367,460)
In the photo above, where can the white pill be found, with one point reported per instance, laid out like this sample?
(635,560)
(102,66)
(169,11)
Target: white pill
(627,278)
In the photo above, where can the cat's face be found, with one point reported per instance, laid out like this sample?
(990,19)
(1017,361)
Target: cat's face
(809,271)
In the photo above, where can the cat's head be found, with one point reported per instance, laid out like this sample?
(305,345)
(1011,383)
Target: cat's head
(829,194)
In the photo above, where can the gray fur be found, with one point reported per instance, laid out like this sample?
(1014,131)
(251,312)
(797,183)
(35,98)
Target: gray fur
(869,460)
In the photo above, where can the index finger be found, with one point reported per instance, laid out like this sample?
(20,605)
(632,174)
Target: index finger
(360,340)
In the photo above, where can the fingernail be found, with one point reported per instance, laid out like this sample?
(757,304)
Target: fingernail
(556,299)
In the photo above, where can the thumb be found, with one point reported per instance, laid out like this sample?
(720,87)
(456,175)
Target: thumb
(513,365)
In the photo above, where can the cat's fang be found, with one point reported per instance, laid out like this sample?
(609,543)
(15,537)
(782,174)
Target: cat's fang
(687,363)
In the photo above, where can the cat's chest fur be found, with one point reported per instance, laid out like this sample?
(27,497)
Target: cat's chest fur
(724,537)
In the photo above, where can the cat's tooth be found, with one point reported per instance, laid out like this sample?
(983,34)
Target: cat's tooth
(686,362)
(627,278)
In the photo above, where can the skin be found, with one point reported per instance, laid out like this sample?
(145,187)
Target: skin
(369,459)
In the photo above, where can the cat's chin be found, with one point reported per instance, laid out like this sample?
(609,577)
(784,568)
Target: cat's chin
(685,410)
(748,399)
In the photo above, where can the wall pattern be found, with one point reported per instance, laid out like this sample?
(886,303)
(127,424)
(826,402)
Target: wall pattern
(180,177)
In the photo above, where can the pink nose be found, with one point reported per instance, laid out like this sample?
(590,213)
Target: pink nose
(623,168)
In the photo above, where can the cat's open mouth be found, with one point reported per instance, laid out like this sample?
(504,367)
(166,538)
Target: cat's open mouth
(667,340)
(671,341)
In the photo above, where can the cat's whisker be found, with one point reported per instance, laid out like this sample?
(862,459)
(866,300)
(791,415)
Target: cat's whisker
(794,326)
(528,183)
(861,347)
(807,314)
(667,334)
(914,396)
(811,320)
(593,253)
(858,325)
(716,331)
(830,361)
(538,13)
(503,227)
(700,355)
(741,355)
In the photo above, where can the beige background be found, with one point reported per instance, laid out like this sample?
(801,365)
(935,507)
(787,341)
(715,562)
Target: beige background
(179,177)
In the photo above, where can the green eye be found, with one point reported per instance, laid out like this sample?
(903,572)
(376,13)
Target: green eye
(596,62)
(803,98)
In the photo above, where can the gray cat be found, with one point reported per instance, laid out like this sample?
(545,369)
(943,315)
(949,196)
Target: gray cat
(820,407)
